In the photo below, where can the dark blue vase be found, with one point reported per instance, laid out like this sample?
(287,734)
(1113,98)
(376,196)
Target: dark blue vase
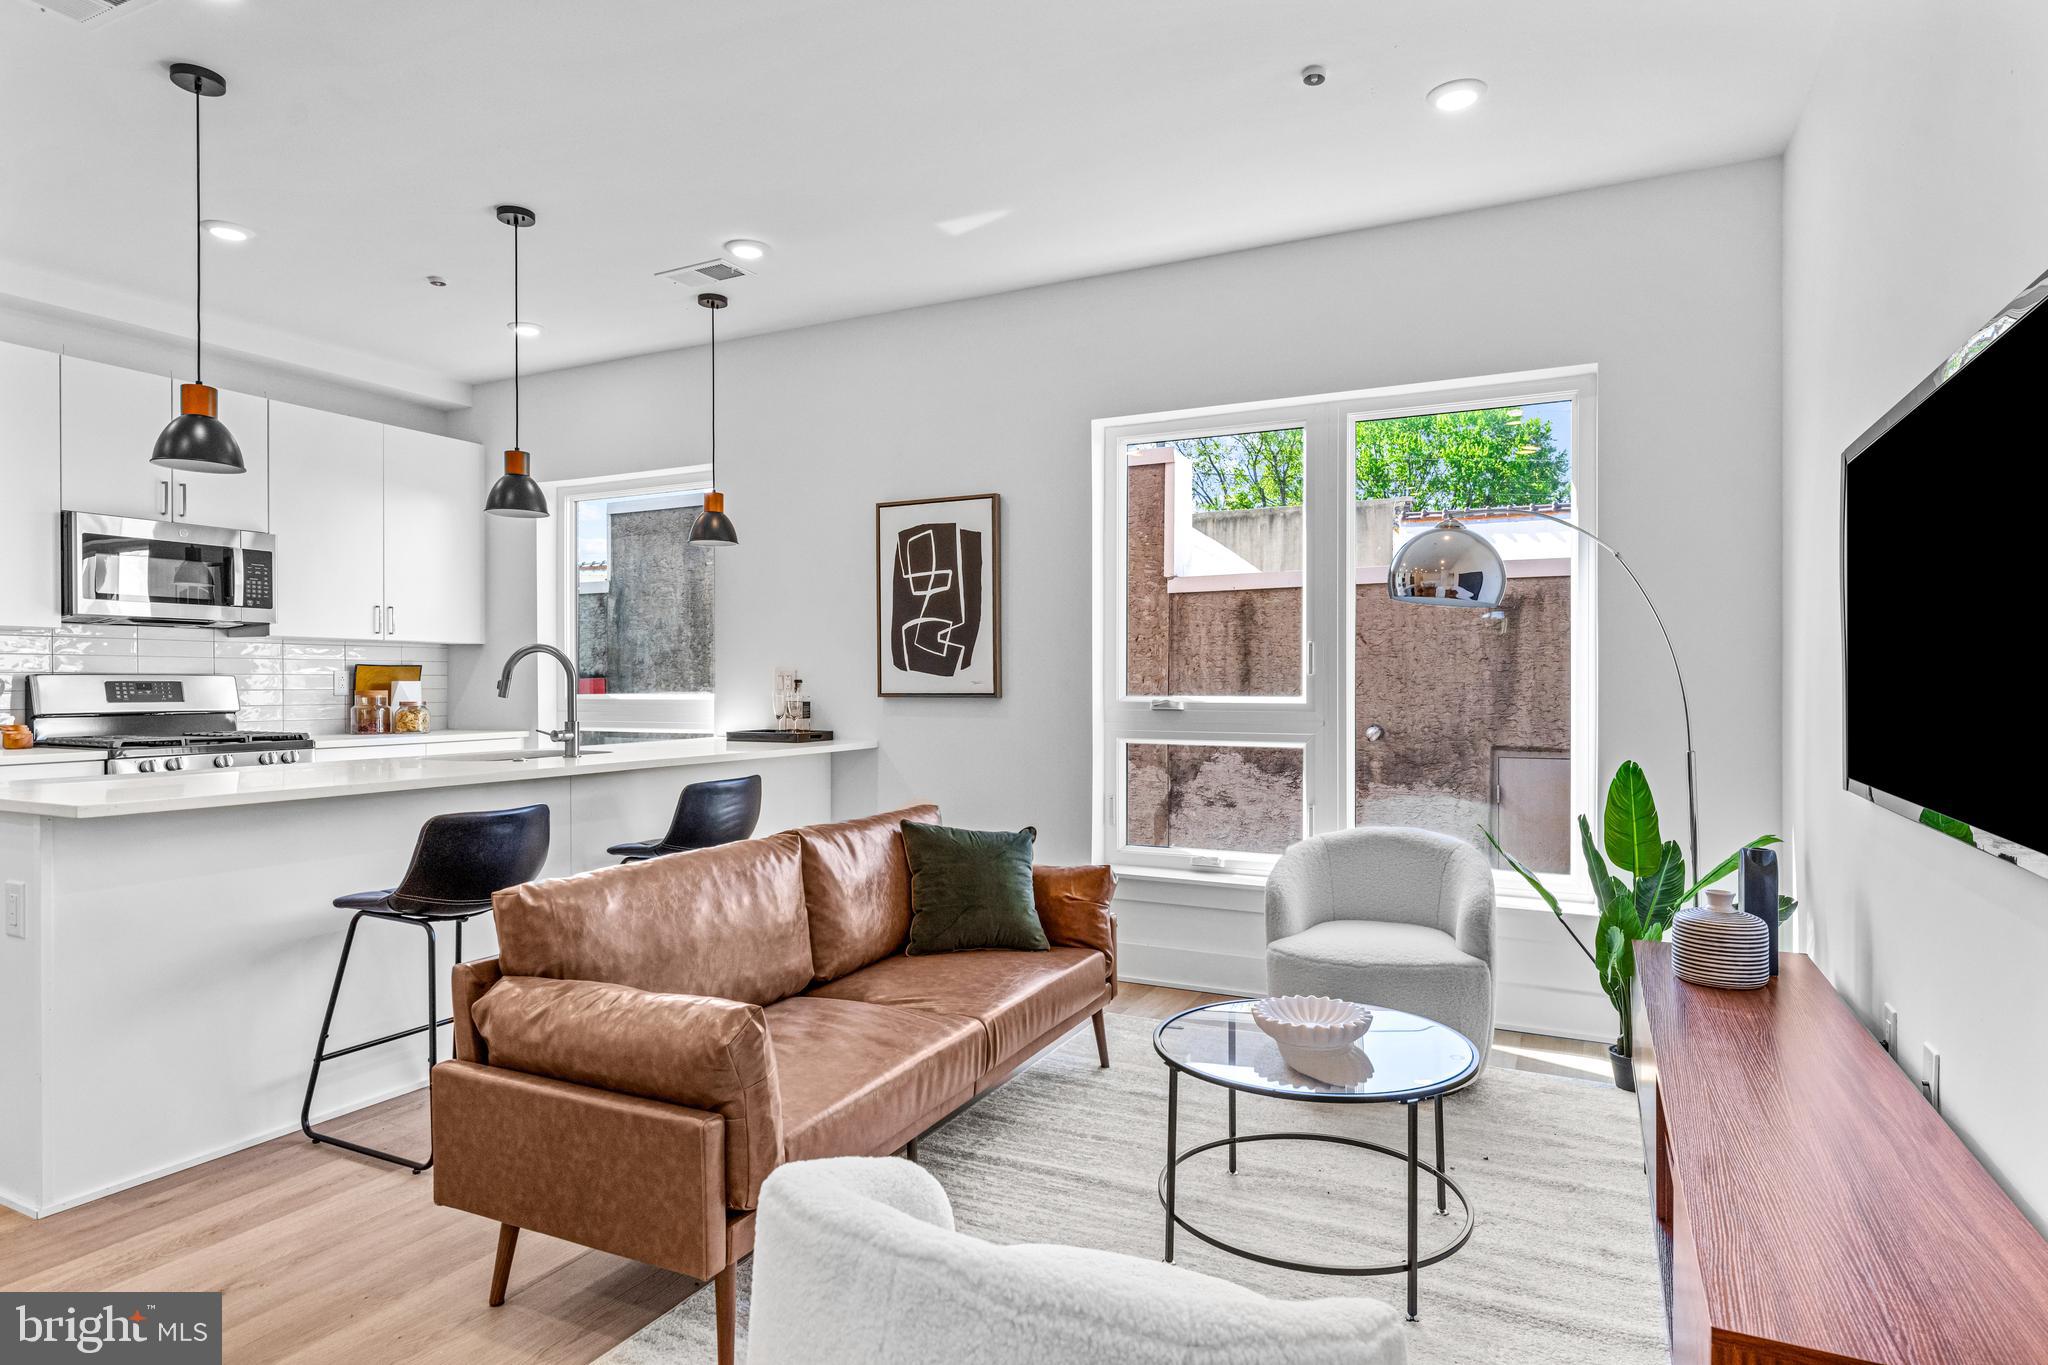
(1759,892)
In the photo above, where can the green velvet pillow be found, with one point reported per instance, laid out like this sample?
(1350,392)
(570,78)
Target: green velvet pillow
(970,888)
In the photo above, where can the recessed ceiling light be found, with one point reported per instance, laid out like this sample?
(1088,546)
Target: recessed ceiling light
(1456,96)
(529,330)
(746,249)
(222,230)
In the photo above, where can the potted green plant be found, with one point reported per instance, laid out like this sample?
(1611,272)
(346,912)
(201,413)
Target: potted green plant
(1638,903)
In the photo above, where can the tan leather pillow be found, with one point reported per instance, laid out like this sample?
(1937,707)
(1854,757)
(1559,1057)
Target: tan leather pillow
(726,922)
(857,889)
(681,1049)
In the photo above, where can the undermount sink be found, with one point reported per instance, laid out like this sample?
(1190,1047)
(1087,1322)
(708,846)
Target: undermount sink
(508,756)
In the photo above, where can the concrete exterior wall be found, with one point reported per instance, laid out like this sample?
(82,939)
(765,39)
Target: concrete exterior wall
(653,630)
(1270,537)
(1448,689)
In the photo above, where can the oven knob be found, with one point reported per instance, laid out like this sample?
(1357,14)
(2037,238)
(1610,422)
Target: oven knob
(266,758)
(147,765)
(223,760)
(288,757)
(174,765)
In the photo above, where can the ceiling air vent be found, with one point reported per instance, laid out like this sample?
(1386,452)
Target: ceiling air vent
(89,11)
(717,270)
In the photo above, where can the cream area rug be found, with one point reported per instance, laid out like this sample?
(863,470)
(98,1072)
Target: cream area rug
(1561,1268)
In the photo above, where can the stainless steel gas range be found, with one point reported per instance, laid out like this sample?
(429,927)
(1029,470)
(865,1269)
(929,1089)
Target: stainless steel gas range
(155,722)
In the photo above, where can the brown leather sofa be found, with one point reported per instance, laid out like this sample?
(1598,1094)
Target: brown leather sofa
(653,1039)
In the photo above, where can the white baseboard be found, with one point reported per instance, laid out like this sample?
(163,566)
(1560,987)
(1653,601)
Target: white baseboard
(213,1154)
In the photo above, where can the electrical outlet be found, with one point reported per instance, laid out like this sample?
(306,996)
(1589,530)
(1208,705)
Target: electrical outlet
(1891,1031)
(1930,1075)
(17,909)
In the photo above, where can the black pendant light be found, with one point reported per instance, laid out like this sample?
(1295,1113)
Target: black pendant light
(713,526)
(196,439)
(515,494)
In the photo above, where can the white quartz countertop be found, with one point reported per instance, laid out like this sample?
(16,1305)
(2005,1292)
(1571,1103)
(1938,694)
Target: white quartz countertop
(92,798)
(511,739)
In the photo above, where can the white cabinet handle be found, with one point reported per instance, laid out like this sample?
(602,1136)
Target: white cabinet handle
(376,618)
(390,620)
(184,499)
(163,487)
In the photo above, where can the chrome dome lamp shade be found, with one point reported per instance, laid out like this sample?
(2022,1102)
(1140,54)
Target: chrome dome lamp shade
(196,440)
(713,526)
(515,494)
(1448,565)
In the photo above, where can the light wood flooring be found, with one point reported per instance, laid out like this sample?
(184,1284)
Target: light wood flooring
(329,1257)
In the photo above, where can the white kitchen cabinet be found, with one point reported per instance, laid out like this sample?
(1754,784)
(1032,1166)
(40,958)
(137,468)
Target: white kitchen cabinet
(327,512)
(433,538)
(380,530)
(29,561)
(242,500)
(112,417)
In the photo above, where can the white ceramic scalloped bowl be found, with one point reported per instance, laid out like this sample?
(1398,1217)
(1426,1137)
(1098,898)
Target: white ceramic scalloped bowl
(1311,1023)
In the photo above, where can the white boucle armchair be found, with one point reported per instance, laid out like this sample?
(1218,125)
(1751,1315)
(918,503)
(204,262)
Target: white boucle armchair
(856,1263)
(1401,918)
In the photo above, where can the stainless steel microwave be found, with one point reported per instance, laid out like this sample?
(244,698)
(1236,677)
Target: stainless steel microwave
(120,569)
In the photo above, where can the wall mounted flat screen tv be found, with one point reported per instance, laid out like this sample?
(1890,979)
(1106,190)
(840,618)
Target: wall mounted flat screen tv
(1943,550)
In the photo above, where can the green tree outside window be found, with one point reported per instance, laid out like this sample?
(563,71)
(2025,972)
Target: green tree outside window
(1484,457)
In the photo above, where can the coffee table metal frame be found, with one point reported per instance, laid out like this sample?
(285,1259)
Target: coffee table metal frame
(1412,1264)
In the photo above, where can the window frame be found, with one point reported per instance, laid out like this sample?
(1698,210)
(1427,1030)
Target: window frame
(555,603)
(1323,719)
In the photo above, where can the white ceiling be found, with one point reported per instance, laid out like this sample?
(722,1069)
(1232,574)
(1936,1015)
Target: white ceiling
(366,142)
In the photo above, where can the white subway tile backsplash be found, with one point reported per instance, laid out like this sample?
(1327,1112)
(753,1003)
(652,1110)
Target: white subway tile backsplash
(93,645)
(326,680)
(180,647)
(283,683)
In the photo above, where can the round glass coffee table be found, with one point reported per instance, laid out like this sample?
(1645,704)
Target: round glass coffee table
(1402,1059)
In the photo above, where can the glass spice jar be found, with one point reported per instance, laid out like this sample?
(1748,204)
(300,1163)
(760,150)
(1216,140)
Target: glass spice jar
(409,710)
(371,714)
(14,736)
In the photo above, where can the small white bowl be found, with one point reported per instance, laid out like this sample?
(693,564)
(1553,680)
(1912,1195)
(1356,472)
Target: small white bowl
(1311,1023)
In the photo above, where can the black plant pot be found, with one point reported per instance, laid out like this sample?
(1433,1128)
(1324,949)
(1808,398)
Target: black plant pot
(1624,1068)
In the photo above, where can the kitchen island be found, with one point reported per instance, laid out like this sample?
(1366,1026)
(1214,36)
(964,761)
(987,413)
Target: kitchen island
(177,937)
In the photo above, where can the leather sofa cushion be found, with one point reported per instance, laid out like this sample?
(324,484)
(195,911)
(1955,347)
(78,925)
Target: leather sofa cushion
(857,889)
(857,1078)
(683,1049)
(1015,996)
(726,922)
(1073,905)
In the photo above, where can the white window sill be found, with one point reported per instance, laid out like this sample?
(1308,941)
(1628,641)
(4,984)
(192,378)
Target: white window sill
(1575,899)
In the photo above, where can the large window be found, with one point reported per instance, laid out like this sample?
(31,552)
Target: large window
(1258,683)
(633,601)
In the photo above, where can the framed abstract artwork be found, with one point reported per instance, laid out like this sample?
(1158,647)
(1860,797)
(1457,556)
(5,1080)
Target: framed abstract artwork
(938,597)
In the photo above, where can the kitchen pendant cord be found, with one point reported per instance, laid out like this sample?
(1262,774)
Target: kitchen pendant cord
(515,338)
(198,246)
(714,400)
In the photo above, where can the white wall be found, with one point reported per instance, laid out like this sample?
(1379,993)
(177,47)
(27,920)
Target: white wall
(111,344)
(1670,285)
(1914,208)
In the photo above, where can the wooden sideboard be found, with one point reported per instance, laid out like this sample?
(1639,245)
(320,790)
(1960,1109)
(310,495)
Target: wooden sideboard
(1819,1209)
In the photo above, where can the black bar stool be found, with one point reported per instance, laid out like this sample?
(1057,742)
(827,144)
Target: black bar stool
(456,865)
(709,814)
